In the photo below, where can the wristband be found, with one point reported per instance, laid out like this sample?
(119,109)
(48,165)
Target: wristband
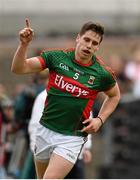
(100,120)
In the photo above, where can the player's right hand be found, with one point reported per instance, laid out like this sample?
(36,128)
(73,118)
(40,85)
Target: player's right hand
(26,34)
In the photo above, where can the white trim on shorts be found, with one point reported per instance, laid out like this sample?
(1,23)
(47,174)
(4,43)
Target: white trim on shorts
(48,142)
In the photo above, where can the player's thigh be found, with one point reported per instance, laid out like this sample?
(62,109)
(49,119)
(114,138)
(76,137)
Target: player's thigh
(58,167)
(40,167)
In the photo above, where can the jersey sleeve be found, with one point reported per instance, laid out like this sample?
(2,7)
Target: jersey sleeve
(44,59)
(108,80)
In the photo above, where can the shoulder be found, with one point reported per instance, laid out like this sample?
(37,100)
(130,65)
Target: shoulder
(57,50)
(55,55)
(104,67)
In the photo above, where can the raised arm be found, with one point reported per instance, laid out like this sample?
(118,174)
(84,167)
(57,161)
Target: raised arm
(20,63)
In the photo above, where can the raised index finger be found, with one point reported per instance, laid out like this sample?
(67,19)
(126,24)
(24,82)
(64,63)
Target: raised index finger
(27,23)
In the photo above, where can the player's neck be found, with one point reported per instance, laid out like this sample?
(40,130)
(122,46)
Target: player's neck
(83,60)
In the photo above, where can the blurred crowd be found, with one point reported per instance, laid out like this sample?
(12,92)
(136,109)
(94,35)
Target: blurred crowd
(15,111)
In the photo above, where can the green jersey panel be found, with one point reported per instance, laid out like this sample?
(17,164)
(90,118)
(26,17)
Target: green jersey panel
(64,115)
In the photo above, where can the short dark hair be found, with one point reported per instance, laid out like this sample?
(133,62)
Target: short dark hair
(95,27)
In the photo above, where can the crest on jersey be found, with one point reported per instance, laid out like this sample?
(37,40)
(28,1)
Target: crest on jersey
(91,80)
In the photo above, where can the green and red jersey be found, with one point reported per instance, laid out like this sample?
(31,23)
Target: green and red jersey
(72,89)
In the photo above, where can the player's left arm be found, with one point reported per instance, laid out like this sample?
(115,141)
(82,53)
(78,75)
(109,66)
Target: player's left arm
(109,104)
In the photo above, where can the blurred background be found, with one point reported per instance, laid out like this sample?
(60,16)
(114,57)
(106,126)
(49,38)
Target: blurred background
(115,151)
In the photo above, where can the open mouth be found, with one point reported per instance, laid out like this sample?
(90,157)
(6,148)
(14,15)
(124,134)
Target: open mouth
(86,51)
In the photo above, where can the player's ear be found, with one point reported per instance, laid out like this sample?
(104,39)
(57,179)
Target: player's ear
(77,38)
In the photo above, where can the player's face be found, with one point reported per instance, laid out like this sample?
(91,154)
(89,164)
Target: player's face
(87,44)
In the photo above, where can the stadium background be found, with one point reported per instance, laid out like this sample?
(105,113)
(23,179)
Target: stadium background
(56,23)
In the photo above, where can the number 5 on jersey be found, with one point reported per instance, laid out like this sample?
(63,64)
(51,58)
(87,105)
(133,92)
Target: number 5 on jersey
(76,76)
